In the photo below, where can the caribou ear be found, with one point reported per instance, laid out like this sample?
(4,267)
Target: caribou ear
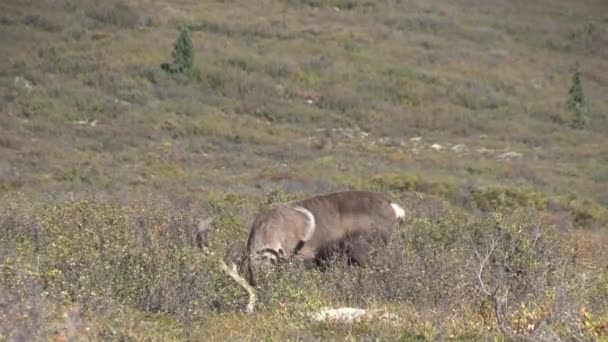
(202,232)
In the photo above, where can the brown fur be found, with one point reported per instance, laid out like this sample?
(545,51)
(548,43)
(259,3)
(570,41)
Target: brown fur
(348,222)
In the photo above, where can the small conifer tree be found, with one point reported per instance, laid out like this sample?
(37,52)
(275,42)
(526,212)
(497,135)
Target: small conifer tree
(183,54)
(576,101)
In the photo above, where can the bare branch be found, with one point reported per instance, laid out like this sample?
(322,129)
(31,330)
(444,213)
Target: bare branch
(500,300)
(483,260)
(537,234)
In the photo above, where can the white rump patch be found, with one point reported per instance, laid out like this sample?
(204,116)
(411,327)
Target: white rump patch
(399,212)
(311,224)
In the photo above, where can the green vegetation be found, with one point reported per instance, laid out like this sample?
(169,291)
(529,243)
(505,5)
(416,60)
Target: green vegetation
(183,54)
(454,110)
(576,101)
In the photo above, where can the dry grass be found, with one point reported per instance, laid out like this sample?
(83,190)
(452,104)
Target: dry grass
(304,96)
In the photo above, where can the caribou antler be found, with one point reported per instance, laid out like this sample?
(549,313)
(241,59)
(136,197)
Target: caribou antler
(232,272)
(201,237)
(202,233)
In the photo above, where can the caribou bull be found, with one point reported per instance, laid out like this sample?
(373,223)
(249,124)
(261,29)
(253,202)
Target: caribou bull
(316,228)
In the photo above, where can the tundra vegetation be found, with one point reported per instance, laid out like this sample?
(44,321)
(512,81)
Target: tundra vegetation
(458,111)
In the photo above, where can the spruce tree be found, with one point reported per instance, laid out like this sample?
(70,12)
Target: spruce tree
(576,101)
(183,53)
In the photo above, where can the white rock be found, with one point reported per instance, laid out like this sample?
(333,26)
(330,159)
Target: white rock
(22,82)
(340,314)
(484,150)
(384,141)
(415,139)
(351,315)
(459,148)
(536,83)
(121,102)
(509,155)
(91,123)
(436,147)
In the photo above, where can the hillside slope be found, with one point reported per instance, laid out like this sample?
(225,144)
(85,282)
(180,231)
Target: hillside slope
(439,104)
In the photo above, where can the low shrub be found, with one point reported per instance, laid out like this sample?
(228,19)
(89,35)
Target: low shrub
(504,272)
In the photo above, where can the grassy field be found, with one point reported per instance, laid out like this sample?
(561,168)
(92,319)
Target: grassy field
(456,110)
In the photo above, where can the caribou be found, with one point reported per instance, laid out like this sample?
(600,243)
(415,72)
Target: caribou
(315,229)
